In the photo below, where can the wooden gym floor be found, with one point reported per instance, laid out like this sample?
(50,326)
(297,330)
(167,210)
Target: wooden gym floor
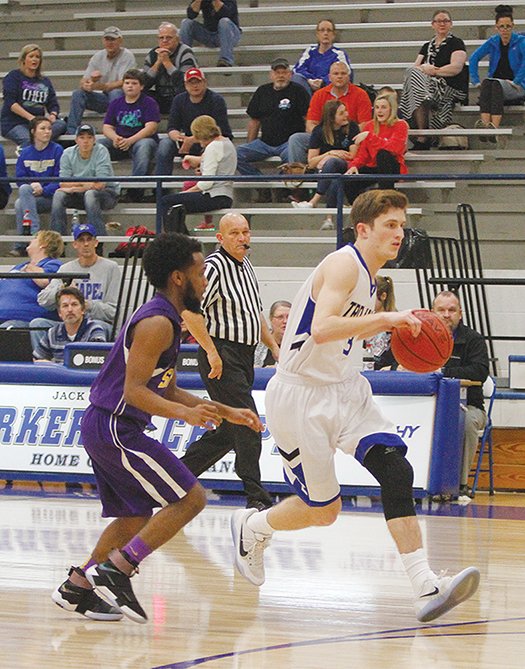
(334,597)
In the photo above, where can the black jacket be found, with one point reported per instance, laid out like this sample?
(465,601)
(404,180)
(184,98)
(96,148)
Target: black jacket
(469,360)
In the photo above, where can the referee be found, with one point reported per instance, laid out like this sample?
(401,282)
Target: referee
(232,311)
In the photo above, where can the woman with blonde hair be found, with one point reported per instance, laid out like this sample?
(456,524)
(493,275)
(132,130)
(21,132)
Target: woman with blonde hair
(219,158)
(331,147)
(378,346)
(27,93)
(381,147)
(18,297)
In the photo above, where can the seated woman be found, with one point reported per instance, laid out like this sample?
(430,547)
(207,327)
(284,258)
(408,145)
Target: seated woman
(331,147)
(437,80)
(312,68)
(41,159)
(219,157)
(18,297)
(5,187)
(506,77)
(378,346)
(28,94)
(381,147)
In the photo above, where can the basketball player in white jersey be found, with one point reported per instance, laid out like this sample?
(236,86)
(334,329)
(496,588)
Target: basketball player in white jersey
(319,402)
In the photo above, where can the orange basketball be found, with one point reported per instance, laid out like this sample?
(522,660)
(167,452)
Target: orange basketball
(429,350)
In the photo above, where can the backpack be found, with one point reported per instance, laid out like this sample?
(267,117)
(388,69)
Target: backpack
(133,247)
(453,142)
(369,90)
(414,251)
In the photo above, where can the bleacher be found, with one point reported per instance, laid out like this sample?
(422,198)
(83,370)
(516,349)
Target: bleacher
(267,24)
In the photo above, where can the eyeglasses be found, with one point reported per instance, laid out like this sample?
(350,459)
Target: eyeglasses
(506,27)
(441,21)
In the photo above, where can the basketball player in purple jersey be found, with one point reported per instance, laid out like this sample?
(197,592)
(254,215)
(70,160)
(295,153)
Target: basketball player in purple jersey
(318,403)
(135,473)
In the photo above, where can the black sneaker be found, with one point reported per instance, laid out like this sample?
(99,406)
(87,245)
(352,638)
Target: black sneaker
(115,586)
(84,601)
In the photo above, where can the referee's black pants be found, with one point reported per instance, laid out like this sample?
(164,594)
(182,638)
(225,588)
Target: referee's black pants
(235,389)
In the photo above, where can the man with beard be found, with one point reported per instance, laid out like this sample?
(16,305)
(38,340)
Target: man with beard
(278,110)
(135,473)
(234,320)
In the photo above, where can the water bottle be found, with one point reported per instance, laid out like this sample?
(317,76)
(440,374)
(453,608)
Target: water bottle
(75,219)
(368,358)
(26,223)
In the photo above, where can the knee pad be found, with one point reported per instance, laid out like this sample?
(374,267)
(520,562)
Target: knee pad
(396,477)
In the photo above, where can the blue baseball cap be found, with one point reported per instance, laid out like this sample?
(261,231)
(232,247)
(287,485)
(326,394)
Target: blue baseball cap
(84,228)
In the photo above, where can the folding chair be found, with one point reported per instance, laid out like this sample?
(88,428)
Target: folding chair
(485,436)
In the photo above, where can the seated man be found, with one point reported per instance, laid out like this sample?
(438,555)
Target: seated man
(130,128)
(469,360)
(18,297)
(100,290)
(165,66)
(220,27)
(276,109)
(75,326)
(86,160)
(197,100)
(102,80)
(355,99)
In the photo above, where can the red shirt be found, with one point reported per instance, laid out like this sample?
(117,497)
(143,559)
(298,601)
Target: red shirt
(355,100)
(392,138)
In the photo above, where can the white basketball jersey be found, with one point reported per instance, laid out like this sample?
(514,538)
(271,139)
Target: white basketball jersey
(334,361)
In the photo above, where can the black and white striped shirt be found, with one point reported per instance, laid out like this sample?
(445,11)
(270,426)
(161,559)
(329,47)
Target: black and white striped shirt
(231,304)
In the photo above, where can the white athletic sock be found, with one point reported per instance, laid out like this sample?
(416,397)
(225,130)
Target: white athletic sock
(258,522)
(418,571)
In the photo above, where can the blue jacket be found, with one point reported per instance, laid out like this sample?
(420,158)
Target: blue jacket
(315,65)
(492,48)
(36,164)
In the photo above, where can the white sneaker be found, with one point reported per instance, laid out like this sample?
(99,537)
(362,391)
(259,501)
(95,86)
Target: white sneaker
(249,547)
(448,592)
(328,224)
(304,204)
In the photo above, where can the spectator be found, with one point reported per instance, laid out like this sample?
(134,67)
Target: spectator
(197,100)
(278,318)
(130,129)
(40,159)
(18,297)
(220,27)
(75,326)
(381,147)
(102,80)
(378,346)
(5,187)
(165,67)
(233,312)
(355,99)
(437,80)
(277,110)
(27,93)
(85,160)
(100,290)
(313,67)
(331,147)
(506,77)
(469,360)
(219,158)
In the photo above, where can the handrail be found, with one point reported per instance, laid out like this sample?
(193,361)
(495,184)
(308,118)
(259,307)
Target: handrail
(340,179)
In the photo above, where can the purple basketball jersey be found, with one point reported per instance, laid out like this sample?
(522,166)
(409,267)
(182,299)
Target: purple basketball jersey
(107,392)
